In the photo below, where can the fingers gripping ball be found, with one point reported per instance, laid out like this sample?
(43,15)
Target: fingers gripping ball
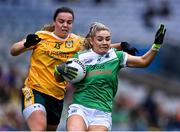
(79,74)
(72,71)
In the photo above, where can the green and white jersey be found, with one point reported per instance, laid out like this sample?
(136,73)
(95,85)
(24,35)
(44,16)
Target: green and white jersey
(98,89)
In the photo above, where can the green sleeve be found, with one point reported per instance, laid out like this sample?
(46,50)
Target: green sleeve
(75,55)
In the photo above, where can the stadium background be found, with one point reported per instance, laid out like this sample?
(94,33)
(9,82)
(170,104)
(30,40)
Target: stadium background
(148,99)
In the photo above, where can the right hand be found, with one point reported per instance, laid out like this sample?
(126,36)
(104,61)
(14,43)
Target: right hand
(66,71)
(31,40)
(126,47)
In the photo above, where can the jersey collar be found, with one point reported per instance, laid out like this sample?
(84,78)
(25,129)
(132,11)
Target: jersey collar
(57,37)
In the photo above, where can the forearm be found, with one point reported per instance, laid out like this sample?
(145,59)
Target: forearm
(141,61)
(24,45)
(18,48)
(148,57)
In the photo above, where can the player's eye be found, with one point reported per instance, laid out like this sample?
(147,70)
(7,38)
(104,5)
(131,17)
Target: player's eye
(108,38)
(70,22)
(61,21)
(99,38)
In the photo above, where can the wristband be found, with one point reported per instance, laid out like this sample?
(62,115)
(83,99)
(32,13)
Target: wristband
(26,45)
(56,70)
(156,47)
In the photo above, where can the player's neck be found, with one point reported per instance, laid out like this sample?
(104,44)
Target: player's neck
(59,37)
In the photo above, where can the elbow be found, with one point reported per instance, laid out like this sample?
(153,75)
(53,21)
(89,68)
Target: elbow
(13,53)
(145,64)
(142,63)
(17,48)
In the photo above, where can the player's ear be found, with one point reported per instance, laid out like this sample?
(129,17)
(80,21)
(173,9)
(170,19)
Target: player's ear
(54,22)
(91,41)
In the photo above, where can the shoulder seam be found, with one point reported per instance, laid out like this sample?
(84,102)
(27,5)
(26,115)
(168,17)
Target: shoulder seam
(44,32)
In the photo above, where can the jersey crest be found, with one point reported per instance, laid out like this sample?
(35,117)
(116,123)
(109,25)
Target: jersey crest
(69,44)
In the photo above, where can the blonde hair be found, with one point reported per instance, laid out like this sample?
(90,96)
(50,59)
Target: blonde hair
(48,27)
(94,28)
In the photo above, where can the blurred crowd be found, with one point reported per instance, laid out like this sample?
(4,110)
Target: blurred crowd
(156,8)
(10,111)
(149,115)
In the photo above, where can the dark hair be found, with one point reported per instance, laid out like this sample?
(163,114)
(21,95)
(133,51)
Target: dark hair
(63,9)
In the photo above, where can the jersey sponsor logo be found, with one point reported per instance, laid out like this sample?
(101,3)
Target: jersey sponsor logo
(69,44)
(95,67)
(98,72)
(56,54)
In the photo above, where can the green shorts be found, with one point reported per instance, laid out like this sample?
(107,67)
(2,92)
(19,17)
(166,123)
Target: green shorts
(52,105)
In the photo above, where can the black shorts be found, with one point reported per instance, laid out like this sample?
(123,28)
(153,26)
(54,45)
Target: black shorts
(52,105)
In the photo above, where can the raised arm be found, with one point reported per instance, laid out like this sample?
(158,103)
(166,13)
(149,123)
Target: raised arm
(148,57)
(18,48)
(24,45)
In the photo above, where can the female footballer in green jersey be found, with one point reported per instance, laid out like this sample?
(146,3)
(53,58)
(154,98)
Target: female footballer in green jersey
(42,96)
(93,97)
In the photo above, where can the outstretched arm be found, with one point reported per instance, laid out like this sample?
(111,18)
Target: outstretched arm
(148,57)
(141,61)
(24,45)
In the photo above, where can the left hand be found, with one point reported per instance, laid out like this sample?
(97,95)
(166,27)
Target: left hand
(159,37)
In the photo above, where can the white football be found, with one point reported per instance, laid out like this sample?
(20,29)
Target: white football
(81,73)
